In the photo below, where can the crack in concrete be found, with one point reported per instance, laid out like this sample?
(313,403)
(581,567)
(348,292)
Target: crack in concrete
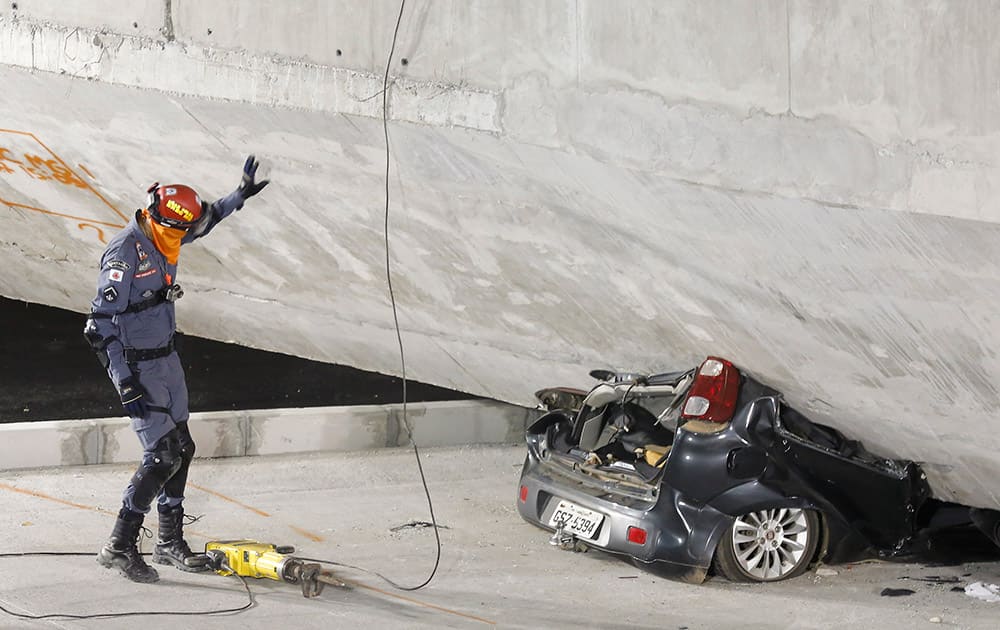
(208,131)
(244,296)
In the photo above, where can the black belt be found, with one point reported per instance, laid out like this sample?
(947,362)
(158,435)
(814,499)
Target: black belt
(134,355)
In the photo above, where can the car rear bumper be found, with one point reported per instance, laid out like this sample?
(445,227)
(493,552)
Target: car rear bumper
(674,544)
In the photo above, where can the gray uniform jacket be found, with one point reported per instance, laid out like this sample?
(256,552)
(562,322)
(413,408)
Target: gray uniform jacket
(133,273)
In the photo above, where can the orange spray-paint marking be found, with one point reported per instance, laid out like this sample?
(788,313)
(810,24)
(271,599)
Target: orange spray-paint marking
(230,499)
(308,534)
(100,232)
(41,495)
(81,506)
(46,171)
(302,532)
(66,166)
(56,214)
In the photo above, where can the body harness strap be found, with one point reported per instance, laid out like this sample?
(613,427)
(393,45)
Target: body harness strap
(134,355)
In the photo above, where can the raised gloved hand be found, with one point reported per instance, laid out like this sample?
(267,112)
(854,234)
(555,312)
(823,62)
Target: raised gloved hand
(249,186)
(131,393)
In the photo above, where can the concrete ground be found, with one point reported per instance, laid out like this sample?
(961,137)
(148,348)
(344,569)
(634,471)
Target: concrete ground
(495,569)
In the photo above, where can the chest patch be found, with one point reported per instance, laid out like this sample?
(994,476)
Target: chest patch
(144,265)
(145,274)
(140,252)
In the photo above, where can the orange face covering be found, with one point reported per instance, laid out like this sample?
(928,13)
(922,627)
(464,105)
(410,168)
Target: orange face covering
(166,239)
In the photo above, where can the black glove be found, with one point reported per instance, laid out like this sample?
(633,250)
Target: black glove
(248,187)
(132,392)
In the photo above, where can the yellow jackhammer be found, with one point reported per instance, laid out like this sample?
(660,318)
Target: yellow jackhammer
(249,558)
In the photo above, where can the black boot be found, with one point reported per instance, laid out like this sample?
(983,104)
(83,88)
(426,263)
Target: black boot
(121,551)
(171,548)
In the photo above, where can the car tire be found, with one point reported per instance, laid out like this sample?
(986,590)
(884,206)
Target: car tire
(768,545)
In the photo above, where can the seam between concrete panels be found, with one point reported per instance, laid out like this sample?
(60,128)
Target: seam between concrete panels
(246,429)
(168,21)
(393,426)
(788,48)
(101,442)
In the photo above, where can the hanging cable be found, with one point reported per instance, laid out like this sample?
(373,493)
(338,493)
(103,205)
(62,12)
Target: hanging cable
(395,315)
(402,359)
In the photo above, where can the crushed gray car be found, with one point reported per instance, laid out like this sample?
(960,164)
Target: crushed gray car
(706,468)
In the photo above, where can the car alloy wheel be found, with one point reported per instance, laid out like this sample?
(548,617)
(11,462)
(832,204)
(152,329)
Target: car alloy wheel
(768,545)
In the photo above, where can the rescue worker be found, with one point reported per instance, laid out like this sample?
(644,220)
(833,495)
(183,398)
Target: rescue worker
(131,328)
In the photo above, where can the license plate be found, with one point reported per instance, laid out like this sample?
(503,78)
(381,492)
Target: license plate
(575,519)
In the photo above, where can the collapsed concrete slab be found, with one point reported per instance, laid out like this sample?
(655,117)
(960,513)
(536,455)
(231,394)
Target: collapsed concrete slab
(573,186)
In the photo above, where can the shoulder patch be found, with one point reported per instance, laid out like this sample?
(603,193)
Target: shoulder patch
(120,265)
(110,294)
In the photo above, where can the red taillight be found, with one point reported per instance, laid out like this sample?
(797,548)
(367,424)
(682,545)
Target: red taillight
(712,396)
(524,493)
(636,535)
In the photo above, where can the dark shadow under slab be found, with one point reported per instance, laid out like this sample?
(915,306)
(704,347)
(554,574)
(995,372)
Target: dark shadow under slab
(47,372)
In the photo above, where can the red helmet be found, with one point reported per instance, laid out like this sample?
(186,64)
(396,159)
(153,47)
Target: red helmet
(175,206)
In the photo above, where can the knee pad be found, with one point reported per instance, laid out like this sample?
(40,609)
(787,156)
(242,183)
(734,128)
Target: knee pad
(157,466)
(173,489)
(185,441)
(165,459)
